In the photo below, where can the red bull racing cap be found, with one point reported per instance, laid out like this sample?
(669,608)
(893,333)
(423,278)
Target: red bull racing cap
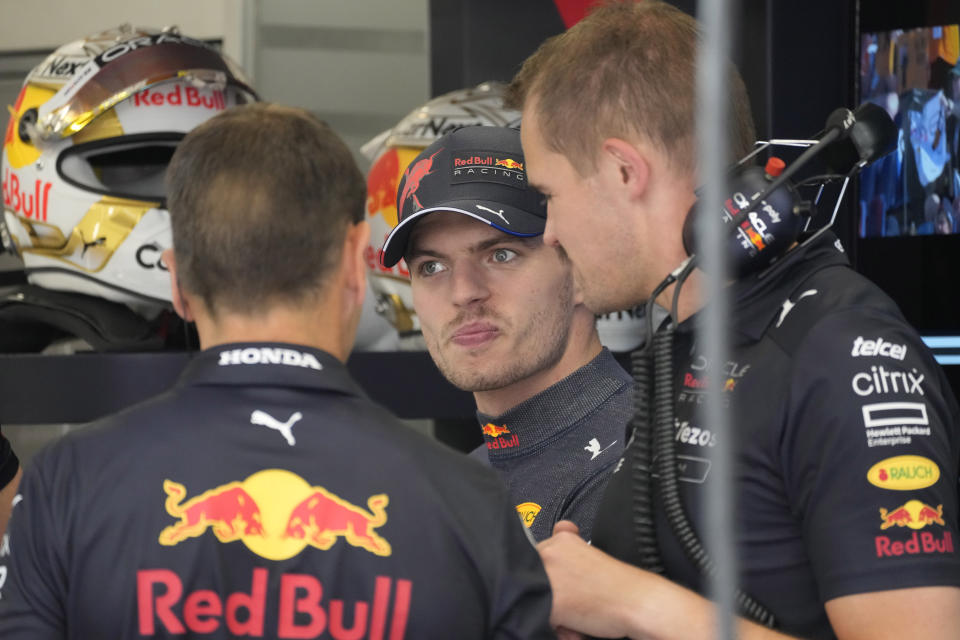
(476,171)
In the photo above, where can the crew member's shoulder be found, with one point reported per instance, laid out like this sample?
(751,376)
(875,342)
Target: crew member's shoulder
(433,460)
(832,304)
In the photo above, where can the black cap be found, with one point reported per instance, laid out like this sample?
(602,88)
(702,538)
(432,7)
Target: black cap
(476,171)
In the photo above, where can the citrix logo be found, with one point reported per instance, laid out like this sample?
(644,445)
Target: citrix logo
(879,380)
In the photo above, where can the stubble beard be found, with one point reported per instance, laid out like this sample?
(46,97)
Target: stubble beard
(538,346)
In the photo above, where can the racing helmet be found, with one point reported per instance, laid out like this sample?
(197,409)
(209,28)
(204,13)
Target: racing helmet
(84,157)
(390,154)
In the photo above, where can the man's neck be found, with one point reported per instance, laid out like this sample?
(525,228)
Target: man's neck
(580,351)
(309,328)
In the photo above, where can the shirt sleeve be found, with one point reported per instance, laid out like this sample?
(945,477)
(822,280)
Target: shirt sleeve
(582,505)
(870,452)
(522,598)
(33,595)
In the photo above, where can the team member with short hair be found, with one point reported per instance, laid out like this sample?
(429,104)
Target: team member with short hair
(846,432)
(502,317)
(264,495)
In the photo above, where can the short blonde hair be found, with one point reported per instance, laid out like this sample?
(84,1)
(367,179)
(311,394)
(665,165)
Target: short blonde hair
(627,70)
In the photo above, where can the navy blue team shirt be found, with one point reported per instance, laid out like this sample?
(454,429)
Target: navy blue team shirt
(265,496)
(846,444)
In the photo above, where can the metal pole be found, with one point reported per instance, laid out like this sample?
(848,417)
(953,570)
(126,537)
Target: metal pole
(712,147)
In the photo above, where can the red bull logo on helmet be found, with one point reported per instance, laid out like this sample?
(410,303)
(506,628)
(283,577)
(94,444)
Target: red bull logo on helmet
(382,184)
(276,514)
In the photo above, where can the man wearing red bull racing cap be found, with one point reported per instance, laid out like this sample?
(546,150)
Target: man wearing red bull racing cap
(844,433)
(503,318)
(265,495)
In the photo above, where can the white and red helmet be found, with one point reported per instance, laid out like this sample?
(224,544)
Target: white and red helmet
(85,153)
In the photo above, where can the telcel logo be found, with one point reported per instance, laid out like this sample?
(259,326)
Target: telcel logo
(878,347)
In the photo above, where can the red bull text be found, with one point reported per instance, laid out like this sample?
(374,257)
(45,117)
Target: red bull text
(913,514)
(162,607)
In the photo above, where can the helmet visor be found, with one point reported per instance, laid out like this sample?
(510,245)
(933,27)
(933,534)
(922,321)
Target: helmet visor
(128,68)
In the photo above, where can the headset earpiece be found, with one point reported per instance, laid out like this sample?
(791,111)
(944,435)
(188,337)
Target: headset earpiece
(760,232)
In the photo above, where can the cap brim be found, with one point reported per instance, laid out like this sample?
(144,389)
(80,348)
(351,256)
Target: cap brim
(511,220)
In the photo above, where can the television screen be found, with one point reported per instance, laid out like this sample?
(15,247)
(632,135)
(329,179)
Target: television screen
(914,74)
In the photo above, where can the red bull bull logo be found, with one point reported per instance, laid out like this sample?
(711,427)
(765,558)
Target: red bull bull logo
(913,515)
(510,163)
(493,430)
(276,514)
(496,433)
(413,176)
(755,238)
(300,610)
(323,517)
(228,510)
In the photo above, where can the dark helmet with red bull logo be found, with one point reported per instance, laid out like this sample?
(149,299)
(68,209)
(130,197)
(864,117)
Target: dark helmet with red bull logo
(84,157)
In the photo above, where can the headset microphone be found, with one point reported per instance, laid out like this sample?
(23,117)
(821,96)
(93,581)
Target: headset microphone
(765,211)
(872,136)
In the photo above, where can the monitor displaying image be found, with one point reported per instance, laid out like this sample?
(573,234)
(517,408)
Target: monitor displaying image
(915,75)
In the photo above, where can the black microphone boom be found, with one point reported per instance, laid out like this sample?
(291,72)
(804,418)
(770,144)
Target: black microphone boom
(871,136)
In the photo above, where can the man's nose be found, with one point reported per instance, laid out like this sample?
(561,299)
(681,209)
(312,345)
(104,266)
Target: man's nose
(469,283)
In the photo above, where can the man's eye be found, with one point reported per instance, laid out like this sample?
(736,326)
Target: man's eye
(430,267)
(504,255)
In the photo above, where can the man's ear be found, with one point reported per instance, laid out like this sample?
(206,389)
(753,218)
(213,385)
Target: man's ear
(354,264)
(625,166)
(180,303)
